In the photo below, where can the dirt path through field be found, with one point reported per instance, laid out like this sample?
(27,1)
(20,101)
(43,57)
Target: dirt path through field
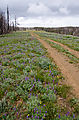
(73,52)
(69,71)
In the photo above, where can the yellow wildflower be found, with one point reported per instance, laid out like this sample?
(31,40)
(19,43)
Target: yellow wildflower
(40,102)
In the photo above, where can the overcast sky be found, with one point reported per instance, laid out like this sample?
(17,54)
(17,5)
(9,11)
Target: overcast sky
(46,13)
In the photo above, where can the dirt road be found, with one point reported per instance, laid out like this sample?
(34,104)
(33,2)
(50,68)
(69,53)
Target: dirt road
(76,53)
(73,52)
(69,71)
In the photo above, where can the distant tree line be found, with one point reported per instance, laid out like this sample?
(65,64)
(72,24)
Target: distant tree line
(5,26)
(61,30)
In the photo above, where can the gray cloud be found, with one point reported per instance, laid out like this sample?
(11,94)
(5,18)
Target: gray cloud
(20,7)
(74,10)
(44,9)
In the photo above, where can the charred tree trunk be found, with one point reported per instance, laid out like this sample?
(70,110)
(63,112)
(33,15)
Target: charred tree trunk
(1,23)
(7,19)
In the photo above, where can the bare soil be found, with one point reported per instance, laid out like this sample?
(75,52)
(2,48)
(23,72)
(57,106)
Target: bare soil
(76,53)
(69,71)
(73,52)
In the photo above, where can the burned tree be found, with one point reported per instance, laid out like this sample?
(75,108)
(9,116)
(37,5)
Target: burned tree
(15,22)
(2,23)
(7,19)
(5,24)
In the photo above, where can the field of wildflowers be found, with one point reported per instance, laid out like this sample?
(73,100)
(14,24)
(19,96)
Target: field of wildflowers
(30,83)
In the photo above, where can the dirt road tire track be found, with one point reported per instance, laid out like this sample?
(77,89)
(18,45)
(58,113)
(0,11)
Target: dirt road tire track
(73,52)
(69,71)
(76,53)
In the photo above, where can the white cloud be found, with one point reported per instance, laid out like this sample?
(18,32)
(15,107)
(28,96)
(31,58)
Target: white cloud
(48,22)
(45,13)
(66,21)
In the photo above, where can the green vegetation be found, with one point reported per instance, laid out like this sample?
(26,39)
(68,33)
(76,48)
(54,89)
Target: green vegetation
(29,82)
(70,41)
(73,59)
